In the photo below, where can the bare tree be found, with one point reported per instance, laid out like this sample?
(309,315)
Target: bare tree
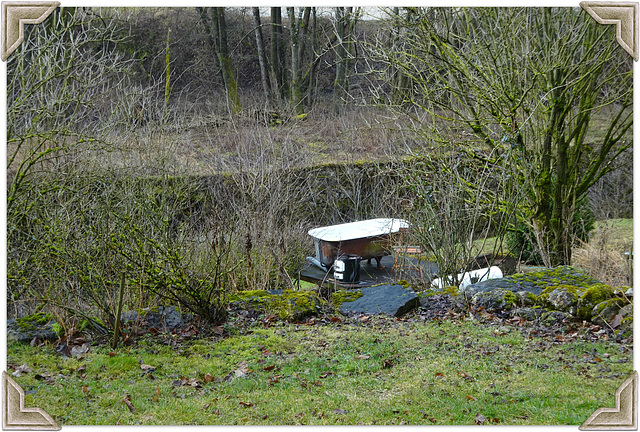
(215,25)
(524,96)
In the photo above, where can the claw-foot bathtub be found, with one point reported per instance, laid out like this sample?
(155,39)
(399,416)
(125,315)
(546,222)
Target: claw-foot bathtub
(367,239)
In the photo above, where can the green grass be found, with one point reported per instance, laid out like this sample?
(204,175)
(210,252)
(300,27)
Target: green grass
(380,372)
(617,234)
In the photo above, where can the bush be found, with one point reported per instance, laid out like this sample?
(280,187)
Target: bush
(521,242)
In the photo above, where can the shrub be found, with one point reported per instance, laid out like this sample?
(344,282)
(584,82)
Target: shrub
(521,242)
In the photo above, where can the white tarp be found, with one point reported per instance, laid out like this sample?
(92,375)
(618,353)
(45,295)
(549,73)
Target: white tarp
(468,278)
(356,230)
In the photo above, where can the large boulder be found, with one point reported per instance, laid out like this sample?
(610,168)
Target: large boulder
(534,282)
(395,300)
(164,317)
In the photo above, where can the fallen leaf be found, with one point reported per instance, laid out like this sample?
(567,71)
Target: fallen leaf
(112,354)
(339,411)
(439,374)
(78,350)
(246,404)
(480,419)
(268,368)
(208,378)
(335,320)
(364,357)
(243,369)
(218,330)
(85,389)
(21,369)
(147,368)
(127,401)
(471,398)
(616,321)
(205,406)
(82,368)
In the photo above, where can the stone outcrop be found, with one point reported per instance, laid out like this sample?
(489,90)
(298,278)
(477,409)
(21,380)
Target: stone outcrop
(394,300)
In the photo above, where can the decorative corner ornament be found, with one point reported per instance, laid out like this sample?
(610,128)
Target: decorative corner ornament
(624,416)
(15,14)
(624,15)
(16,416)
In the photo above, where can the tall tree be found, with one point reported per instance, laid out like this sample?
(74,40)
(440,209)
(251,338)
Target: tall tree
(525,97)
(215,24)
(265,76)
(278,57)
(345,23)
(298,27)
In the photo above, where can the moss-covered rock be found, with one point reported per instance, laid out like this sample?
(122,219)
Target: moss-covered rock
(553,318)
(35,325)
(526,298)
(626,328)
(497,299)
(591,297)
(342,296)
(287,305)
(527,313)
(604,311)
(563,298)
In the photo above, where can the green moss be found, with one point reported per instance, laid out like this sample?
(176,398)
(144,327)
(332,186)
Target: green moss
(618,302)
(57,329)
(543,298)
(452,290)
(290,305)
(591,297)
(31,322)
(341,296)
(510,298)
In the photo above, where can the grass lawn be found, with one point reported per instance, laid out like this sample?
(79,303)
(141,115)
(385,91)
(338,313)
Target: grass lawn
(617,234)
(376,370)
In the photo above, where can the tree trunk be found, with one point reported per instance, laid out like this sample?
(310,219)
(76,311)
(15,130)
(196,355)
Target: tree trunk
(278,53)
(217,34)
(262,59)
(298,29)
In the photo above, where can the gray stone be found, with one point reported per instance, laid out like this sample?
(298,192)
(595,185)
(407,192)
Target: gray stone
(166,317)
(530,314)
(525,298)
(494,300)
(626,311)
(562,300)
(604,312)
(552,318)
(25,333)
(394,300)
